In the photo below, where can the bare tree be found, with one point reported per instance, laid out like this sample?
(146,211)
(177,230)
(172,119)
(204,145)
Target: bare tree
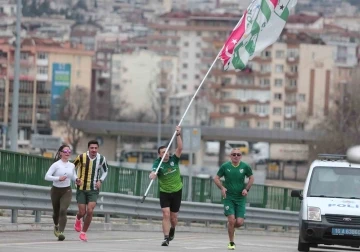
(342,126)
(74,108)
(118,106)
(162,98)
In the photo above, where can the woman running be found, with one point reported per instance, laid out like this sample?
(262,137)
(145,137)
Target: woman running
(60,173)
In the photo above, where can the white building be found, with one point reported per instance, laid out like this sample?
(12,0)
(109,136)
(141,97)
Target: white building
(137,75)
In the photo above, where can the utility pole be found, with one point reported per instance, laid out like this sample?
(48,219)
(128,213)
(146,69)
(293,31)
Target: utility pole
(15,99)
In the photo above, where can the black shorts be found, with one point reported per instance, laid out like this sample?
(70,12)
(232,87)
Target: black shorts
(172,200)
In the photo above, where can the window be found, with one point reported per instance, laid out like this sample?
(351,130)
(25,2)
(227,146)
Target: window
(301,97)
(263,124)
(293,53)
(265,68)
(42,70)
(341,54)
(279,68)
(2,83)
(244,110)
(277,111)
(289,125)
(276,125)
(266,54)
(334,182)
(279,54)
(278,82)
(290,110)
(277,97)
(294,69)
(185,65)
(224,109)
(242,124)
(42,56)
(100,55)
(186,44)
(24,55)
(264,82)
(225,95)
(262,109)
(293,83)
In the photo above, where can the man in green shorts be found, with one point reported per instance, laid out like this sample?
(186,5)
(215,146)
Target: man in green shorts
(92,170)
(234,191)
(170,187)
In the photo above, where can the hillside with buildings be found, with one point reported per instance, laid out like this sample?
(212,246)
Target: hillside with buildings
(131,59)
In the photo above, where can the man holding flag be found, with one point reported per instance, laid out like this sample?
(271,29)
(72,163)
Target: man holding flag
(170,187)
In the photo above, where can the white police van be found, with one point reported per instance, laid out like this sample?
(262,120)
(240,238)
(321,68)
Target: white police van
(330,203)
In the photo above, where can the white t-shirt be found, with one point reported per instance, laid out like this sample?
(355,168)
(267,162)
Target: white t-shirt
(58,169)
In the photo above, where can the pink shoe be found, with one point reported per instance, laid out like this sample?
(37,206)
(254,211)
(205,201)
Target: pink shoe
(82,236)
(77,225)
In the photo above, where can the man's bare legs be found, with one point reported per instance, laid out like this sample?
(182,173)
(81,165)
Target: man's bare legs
(232,224)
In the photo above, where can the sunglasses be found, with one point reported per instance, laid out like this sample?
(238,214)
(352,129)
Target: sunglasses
(66,151)
(236,154)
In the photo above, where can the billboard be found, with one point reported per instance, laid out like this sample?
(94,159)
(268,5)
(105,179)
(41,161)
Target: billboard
(60,88)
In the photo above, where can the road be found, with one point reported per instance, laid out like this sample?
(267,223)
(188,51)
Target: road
(44,241)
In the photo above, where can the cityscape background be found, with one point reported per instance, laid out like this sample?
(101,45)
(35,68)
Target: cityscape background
(142,61)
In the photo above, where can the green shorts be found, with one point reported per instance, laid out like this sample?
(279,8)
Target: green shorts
(235,207)
(86,196)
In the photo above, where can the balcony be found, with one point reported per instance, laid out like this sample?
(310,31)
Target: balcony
(24,75)
(26,106)
(42,77)
(290,89)
(292,59)
(259,59)
(292,75)
(43,91)
(42,62)
(3,61)
(105,75)
(214,115)
(30,61)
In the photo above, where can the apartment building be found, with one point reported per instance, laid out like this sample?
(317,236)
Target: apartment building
(186,36)
(288,86)
(101,107)
(45,65)
(144,80)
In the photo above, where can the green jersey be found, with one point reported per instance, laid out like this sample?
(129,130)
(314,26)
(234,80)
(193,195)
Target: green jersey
(168,174)
(234,178)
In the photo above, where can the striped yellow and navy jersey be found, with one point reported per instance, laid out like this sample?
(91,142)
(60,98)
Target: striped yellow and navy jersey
(89,171)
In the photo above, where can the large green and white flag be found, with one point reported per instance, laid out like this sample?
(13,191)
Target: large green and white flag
(259,27)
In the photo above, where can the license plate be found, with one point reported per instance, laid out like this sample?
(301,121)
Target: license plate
(345,231)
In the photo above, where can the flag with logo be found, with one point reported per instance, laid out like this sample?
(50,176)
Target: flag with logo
(259,27)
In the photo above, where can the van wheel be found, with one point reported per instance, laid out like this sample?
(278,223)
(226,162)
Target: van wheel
(303,247)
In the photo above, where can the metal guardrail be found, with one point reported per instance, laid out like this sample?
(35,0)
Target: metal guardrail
(29,197)
(28,169)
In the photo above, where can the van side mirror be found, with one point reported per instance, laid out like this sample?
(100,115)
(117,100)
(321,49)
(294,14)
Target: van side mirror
(353,154)
(296,194)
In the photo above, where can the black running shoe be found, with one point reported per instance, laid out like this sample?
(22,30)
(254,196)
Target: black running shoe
(165,242)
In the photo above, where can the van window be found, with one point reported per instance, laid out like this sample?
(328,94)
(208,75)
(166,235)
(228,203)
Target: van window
(335,182)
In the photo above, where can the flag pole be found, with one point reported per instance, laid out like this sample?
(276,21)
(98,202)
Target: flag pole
(182,118)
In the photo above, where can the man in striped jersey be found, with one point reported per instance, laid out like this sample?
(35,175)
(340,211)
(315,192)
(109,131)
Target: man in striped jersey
(170,187)
(91,170)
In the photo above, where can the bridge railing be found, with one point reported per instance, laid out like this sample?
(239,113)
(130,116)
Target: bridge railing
(30,169)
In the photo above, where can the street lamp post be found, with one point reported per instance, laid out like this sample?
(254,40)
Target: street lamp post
(15,100)
(160,92)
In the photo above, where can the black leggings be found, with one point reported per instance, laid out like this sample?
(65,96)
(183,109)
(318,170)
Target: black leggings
(61,199)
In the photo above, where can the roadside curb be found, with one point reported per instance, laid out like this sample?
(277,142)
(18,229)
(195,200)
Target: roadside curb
(18,227)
